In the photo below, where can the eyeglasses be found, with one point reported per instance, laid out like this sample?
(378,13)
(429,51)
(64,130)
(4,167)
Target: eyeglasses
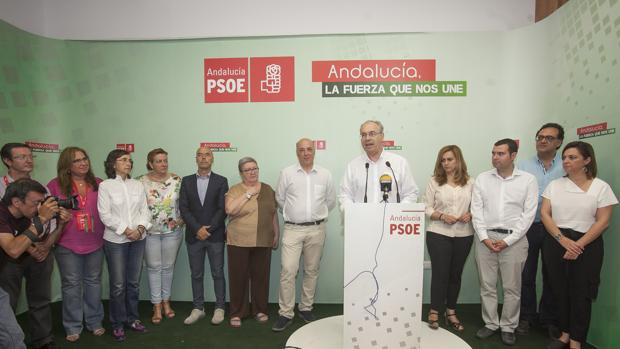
(248,170)
(24,157)
(546,138)
(77,161)
(371,134)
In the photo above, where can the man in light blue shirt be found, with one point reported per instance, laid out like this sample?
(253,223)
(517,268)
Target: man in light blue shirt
(546,166)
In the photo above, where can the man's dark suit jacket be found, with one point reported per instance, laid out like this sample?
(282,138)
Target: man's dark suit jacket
(210,212)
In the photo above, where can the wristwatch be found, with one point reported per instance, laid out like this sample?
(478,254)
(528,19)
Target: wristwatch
(558,236)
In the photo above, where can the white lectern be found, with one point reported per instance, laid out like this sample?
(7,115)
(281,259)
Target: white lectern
(383,275)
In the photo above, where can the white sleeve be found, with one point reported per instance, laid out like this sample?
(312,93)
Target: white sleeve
(429,198)
(281,191)
(106,214)
(144,214)
(346,195)
(477,211)
(331,192)
(410,191)
(530,205)
(606,196)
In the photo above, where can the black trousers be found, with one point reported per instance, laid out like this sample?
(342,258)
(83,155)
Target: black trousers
(547,308)
(448,257)
(574,283)
(38,277)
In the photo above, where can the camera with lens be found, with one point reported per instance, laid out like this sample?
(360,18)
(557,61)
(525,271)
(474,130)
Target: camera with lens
(71,203)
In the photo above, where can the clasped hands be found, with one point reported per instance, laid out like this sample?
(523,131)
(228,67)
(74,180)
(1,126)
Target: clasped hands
(449,219)
(495,245)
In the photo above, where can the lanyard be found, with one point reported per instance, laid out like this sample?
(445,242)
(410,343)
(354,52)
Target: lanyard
(5,179)
(83,200)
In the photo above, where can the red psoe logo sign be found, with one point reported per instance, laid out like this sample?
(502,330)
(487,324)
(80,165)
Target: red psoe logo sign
(226,80)
(129,147)
(272,79)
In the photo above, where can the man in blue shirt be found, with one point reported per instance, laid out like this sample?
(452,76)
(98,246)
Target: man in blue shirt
(546,166)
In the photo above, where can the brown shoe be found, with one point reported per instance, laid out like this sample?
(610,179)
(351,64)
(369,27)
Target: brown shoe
(156,318)
(433,319)
(168,310)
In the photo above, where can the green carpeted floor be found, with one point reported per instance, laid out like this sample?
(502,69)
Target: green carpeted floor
(172,333)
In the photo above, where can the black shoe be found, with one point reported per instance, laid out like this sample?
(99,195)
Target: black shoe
(281,324)
(307,316)
(523,328)
(508,338)
(485,333)
(556,344)
(50,345)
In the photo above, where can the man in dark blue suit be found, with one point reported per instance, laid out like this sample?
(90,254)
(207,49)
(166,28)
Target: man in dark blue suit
(201,203)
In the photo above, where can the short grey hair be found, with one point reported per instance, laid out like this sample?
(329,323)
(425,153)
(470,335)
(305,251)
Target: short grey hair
(376,122)
(244,160)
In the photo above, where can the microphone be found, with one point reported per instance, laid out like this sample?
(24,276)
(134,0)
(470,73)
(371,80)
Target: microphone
(387,163)
(366,187)
(386,185)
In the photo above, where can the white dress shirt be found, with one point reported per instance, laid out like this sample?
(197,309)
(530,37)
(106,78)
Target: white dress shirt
(449,200)
(305,197)
(575,209)
(122,204)
(354,181)
(504,203)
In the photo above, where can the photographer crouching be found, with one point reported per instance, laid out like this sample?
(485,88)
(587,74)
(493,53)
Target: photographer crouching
(30,223)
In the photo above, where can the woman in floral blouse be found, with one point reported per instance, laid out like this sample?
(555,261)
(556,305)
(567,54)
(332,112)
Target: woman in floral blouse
(164,238)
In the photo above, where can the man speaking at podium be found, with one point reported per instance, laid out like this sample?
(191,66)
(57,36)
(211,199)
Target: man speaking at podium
(367,177)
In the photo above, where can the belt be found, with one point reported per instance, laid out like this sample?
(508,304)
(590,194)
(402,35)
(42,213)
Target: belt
(502,231)
(307,223)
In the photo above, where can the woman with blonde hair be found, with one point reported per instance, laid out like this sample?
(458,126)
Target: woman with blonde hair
(164,238)
(450,233)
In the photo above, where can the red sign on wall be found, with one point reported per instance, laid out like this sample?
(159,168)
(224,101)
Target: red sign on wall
(592,128)
(226,80)
(129,147)
(43,147)
(272,79)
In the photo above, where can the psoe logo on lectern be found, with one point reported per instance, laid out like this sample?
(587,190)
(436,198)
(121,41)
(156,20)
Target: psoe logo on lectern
(405,224)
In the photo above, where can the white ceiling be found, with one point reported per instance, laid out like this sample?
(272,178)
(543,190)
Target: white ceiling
(175,19)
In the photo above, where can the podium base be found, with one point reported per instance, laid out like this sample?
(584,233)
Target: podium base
(327,334)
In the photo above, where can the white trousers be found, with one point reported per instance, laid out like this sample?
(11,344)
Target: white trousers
(508,264)
(298,241)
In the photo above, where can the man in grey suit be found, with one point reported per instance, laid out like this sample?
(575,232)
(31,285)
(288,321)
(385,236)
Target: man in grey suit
(201,203)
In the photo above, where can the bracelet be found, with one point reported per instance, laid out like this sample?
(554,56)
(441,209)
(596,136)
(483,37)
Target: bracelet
(38,226)
(141,229)
(440,215)
(558,236)
(27,233)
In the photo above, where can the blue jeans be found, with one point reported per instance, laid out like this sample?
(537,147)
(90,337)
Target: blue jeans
(160,255)
(38,277)
(80,275)
(11,335)
(124,266)
(196,254)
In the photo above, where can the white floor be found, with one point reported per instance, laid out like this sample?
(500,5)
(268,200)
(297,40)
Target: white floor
(327,334)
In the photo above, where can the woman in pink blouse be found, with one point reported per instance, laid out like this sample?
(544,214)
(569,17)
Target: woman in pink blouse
(79,252)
